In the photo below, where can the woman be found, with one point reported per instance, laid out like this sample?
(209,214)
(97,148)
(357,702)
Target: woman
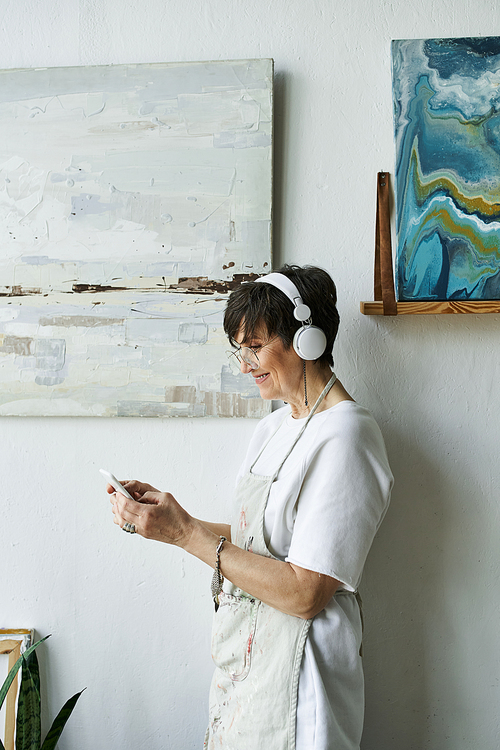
(311,494)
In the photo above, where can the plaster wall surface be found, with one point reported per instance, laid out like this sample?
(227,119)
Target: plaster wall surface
(130,619)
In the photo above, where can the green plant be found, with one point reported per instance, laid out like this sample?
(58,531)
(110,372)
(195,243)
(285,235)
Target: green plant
(28,726)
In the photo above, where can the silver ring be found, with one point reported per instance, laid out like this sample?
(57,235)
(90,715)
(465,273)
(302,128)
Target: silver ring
(129,528)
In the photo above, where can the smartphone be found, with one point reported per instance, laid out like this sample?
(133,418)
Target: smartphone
(113,481)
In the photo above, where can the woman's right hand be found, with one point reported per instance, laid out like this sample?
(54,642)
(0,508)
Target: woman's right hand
(154,515)
(137,489)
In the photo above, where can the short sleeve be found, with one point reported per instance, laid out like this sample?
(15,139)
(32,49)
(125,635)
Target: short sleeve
(343,498)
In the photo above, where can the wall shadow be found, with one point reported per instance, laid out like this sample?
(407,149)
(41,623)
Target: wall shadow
(279,166)
(422,571)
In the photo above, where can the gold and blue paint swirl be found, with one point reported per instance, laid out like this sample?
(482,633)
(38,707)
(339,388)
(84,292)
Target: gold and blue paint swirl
(447,127)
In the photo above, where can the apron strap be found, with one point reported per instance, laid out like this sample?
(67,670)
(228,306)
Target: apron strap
(357,596)
(313,410)
(267,442)
(320,399)
(311,415)
(360,605)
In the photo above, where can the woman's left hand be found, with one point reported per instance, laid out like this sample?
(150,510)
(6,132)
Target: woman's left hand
(157,515)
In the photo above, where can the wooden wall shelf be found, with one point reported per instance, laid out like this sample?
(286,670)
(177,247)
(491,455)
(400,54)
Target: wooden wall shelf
(384,288)
(449,307)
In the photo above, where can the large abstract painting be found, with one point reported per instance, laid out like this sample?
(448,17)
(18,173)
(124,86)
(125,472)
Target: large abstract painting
(133,199)
(447,123)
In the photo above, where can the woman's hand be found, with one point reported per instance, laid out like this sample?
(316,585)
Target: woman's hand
(136,489)
(155,515)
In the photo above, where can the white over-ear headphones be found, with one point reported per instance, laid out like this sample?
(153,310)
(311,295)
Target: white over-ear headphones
(309,341)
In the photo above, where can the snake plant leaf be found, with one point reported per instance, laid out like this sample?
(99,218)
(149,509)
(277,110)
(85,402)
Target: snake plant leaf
(29,725)
(60,722)
(10,677)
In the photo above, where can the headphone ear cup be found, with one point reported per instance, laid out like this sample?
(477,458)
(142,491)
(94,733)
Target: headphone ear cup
(309,342)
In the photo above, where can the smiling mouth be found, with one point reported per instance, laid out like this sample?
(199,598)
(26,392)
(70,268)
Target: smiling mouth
(260,378)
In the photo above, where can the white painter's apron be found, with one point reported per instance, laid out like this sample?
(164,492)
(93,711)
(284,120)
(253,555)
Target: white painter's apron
(257,650)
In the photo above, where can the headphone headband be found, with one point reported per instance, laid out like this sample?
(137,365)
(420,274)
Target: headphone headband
(283,283)
(309,341)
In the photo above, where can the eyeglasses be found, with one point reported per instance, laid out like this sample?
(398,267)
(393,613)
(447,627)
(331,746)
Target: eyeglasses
(247,355)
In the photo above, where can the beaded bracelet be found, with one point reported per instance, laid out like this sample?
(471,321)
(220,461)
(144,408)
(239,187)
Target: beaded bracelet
(217,578)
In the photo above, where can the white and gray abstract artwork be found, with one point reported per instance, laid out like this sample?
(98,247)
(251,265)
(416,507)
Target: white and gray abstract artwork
(133,199)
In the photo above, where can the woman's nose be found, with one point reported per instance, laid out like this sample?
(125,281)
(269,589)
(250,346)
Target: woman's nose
(245,367)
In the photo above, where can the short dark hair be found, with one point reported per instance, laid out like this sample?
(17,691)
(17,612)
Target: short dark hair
(254,305)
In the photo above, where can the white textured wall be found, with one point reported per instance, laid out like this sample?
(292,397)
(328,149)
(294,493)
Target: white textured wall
(130,619)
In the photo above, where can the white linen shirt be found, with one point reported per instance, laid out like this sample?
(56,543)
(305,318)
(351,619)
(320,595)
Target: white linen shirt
(324,509)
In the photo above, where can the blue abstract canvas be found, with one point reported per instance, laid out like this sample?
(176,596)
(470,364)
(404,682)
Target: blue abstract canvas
(447,127)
